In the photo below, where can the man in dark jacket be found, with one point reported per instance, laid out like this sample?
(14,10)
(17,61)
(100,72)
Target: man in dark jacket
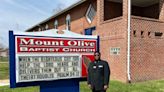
(98,74)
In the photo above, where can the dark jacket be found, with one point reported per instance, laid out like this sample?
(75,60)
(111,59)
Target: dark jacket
(98,74)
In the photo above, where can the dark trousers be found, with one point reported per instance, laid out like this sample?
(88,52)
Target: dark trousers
(98,90)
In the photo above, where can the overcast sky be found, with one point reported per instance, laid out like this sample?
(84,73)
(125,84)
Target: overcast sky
(19,15)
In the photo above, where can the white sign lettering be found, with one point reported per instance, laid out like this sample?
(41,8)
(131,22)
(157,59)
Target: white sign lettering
(36,68)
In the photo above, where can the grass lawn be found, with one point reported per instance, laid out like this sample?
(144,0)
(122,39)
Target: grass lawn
(27,89)
(4,70)
(4,59)
(115,86)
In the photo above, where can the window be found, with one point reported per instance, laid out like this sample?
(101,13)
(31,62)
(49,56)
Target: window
(158,34)
(56,24)
(149,34)
(68,22)
(39,29)
(146,8)
(46,27)
(134,33)
(91,12)
(114,51)
(42,29)
(142,34)
(112,9)
(89,30)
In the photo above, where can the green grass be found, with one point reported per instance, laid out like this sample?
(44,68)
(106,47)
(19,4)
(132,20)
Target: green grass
(4,71)
(4,68)
(27,89)
(115,86)
(4,59)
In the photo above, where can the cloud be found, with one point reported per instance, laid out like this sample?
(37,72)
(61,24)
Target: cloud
(68,2)
(4,39)
(25,6)
(19,15)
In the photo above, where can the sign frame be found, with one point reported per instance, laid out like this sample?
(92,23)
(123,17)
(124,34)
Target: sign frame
(70,85)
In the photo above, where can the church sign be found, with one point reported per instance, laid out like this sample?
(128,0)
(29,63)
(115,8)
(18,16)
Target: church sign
(43,56)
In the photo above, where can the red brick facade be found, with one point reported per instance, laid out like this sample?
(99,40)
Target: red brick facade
(146,55)
(147,49)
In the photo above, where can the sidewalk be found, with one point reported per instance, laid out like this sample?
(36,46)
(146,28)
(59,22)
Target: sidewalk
(4,82)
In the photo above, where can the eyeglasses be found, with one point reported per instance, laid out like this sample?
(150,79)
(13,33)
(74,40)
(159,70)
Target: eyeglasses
(96,55)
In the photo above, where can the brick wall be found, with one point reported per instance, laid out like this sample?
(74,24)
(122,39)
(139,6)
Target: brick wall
(113,33)
(78,18)
(146,50)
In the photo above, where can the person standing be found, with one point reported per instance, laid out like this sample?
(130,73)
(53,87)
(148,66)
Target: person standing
(98,74)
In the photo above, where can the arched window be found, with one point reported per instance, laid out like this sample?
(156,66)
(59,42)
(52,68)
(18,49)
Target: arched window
(42,29)
(39,29)
(56,24)
(68,22)
(46,27)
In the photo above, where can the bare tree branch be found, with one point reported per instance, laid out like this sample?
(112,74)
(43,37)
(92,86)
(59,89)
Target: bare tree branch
(59,8)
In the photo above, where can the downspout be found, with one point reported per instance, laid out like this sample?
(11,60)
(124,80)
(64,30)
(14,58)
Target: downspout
(128,51)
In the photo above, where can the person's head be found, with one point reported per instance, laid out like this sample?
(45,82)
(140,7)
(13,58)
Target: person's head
(97,55)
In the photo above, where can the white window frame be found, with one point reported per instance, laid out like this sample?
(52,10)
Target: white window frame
(117,50)
(56,24)
(39,29)
(68,22)
(46,27)
(88,19)
(42,29)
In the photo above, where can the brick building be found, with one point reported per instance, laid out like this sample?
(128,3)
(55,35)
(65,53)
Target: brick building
(136,56)
(4,52)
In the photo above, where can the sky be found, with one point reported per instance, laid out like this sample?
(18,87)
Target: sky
(19,15)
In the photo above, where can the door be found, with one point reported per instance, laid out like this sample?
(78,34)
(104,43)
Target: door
(89,30)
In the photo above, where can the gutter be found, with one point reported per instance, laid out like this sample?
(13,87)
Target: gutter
(128,51)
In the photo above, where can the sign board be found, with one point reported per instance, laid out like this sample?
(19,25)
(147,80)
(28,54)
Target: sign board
(48,56)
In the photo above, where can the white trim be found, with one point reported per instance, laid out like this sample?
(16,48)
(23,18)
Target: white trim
(68,17)
(128,51)
(89,9)
(87,14)
(39,29)
(54,33)
(56,24)
(46,27)
(68,21)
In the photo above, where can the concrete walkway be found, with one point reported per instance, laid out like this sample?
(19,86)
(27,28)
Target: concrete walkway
(4,82)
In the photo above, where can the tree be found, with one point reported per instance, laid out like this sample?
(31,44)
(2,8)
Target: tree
(58,9)
(1,43)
